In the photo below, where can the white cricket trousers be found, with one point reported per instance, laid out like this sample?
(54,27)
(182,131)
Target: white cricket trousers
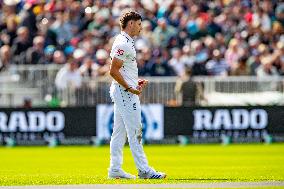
(127,123)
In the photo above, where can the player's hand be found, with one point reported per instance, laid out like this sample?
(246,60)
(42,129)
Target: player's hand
(142,83)
(136,91)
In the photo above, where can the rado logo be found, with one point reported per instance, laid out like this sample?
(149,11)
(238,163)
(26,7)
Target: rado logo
(32,121)
(235,119)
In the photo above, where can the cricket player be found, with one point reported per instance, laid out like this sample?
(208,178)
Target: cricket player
(124,92)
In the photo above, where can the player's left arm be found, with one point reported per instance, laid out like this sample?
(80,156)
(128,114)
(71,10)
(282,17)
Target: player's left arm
(115,66)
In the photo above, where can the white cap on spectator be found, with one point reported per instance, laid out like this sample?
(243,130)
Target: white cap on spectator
(101,54)
(11,2)
(79,53)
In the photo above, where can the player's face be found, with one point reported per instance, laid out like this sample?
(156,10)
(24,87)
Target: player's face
(137,27)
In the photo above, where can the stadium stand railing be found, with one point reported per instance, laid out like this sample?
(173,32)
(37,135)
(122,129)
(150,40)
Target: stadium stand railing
(36,82)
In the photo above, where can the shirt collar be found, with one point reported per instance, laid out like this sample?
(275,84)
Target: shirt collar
(127,36)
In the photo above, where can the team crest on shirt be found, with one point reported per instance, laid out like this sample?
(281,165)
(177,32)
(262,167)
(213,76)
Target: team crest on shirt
(120,52)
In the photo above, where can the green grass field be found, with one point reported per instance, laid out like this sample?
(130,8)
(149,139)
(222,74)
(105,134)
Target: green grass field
(193,163)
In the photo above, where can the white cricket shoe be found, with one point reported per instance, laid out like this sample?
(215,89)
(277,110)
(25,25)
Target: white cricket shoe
(151,174)
(119,174)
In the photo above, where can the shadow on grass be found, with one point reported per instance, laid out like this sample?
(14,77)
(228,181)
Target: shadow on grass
(220,179)
(203,179)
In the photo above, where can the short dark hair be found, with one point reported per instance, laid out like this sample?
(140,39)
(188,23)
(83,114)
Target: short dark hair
(127,16)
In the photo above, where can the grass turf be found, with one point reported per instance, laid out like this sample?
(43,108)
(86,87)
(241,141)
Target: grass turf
(193,163)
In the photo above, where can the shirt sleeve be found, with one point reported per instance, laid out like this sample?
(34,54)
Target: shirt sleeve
(120,51)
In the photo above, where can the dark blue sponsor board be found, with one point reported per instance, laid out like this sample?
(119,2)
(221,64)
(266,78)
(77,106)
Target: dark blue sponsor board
(197,122)
(236,122)
(42,123)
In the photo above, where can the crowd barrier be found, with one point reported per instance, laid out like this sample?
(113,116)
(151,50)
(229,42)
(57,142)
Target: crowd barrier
(37,82)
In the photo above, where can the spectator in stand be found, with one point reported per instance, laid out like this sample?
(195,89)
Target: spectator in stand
(242,68)
(34,54)
(280,13)
(8,22)
(146,35)
(78,56)
(200,53)
(102,62)
(196,28)
(187,56)
(255,63)
(266,68)
(163,33)
(160,67)
(176,62)
(88,47)
(148,61)
(11,30)
(89,68)
(20,45)
(212,27)
(142,69)
(5,57)
(68,76)
(28,17)
(49,54)
(59,57)
(233,54)
(217,65)
(280,46)
(47,31)
(62,27)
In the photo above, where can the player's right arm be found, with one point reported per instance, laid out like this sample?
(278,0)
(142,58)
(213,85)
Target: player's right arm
(115,66)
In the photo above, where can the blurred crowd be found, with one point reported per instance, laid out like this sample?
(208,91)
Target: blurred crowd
(217,37)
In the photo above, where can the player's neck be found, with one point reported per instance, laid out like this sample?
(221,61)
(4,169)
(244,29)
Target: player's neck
(128,33)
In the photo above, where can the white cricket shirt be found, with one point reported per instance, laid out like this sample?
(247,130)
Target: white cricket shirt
(123,49)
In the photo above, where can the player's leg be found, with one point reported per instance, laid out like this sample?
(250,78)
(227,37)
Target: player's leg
(128,106)
(118,139)
(117,142)
(131,115)
(132,120)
